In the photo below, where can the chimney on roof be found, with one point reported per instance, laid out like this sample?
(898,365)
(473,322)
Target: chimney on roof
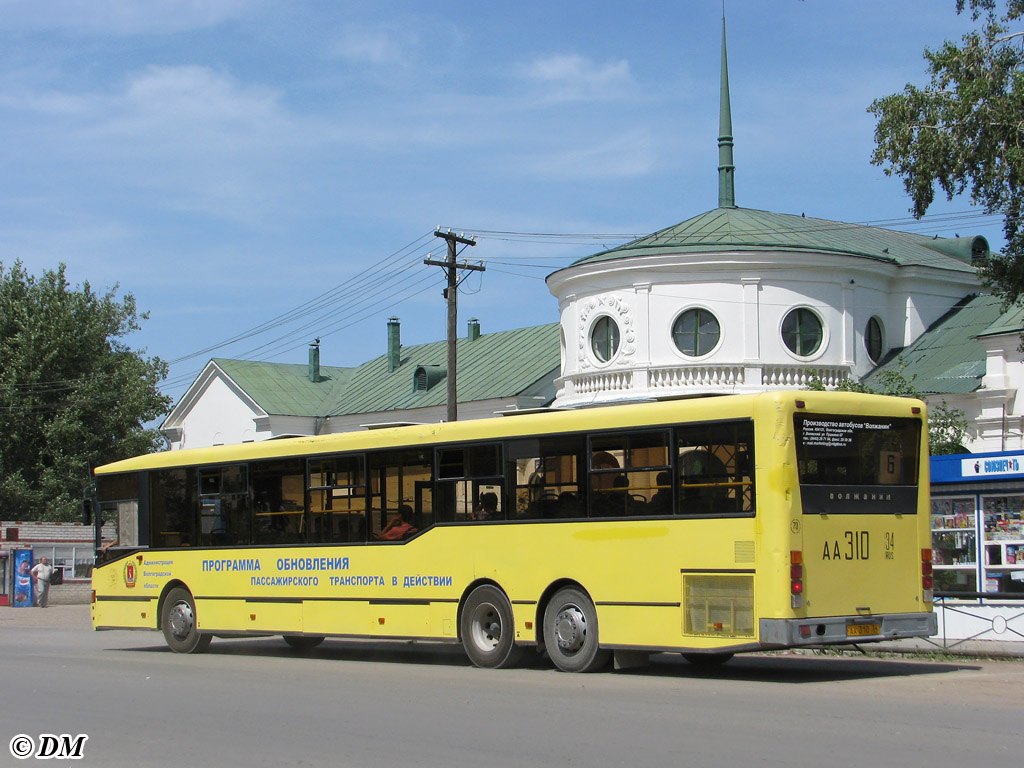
(474,329)
(394,344)
(314,362)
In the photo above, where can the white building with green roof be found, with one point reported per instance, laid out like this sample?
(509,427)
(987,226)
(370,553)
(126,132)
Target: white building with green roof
(739,300)
(235,401)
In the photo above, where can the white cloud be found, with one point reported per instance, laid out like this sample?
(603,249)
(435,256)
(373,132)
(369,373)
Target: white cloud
(191,98)
(47,102)
(571,77)
(625,155)
(182,138)
(378,45)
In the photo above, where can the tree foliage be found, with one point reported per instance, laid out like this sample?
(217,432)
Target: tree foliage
(947,427)
(964,132)
(73,395)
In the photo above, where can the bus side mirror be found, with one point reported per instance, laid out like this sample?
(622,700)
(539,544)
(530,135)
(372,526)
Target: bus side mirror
(87,511)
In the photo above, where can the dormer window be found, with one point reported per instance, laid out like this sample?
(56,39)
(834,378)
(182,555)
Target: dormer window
(426,376)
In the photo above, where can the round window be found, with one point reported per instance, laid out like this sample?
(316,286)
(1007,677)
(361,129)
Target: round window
(873,339)
(696,332)
(604,339)
(802,332)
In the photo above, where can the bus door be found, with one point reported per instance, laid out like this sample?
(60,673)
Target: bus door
(861,529)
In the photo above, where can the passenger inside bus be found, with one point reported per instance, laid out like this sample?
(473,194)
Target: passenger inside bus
(602,485)
(397,527)
(661,502)
(487,507)
(704,478)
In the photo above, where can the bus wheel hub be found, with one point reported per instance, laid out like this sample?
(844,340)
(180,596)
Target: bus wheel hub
(571,628)
(182,620)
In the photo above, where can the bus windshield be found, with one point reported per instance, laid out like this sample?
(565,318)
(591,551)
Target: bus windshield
(873,460)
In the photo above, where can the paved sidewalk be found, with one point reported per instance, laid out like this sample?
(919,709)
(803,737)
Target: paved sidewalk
(52,617)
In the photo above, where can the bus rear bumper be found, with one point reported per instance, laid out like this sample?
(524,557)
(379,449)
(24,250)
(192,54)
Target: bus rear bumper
(837,630)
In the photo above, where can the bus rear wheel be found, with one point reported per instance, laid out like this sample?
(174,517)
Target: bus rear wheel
(488,629)
(303,642)
(570,632)
(178,621)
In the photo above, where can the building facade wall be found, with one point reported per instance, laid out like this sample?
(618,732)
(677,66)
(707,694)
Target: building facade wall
(219,416)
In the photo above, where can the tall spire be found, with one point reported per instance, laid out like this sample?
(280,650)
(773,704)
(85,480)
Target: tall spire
(726,170)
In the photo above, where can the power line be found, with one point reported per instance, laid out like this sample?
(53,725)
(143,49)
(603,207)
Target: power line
(284,344)
(315,304)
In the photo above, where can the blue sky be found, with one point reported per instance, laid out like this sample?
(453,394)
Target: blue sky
(248,164)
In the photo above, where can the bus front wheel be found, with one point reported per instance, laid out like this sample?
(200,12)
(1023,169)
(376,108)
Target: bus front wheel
(488,629)
(570,632)
(178,622)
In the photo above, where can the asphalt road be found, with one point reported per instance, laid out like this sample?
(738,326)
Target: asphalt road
(257,703)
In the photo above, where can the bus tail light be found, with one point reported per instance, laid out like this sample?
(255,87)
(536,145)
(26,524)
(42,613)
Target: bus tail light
(796,578)
(927,577)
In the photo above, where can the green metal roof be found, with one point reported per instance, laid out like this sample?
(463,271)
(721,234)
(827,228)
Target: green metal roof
(285,389)
(948,358)
(494,365)
(1011,321)
(746,229)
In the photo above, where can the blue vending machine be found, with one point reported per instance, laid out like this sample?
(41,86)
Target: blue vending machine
(23,594)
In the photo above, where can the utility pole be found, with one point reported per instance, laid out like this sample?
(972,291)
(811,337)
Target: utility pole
(451,293)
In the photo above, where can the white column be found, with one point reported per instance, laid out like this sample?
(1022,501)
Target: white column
(914,326)
(642,327)
(752,363)
(849,332)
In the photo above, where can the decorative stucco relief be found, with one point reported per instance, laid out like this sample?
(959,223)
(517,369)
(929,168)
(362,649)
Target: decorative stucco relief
(620,311)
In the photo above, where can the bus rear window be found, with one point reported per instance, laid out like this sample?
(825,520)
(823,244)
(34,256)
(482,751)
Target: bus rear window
(857,463)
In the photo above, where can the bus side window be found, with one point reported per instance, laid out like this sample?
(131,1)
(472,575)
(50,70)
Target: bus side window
(337,499)
(278,489)
(224,510)
(624,471)
(546,472)
(470,483)
(398,478)
(119,504)
(715,466)
(172,508)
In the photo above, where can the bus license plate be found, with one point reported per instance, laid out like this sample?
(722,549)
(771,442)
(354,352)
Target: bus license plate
(862,630)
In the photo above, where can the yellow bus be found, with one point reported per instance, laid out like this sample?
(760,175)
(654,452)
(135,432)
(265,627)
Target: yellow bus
(704,527)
